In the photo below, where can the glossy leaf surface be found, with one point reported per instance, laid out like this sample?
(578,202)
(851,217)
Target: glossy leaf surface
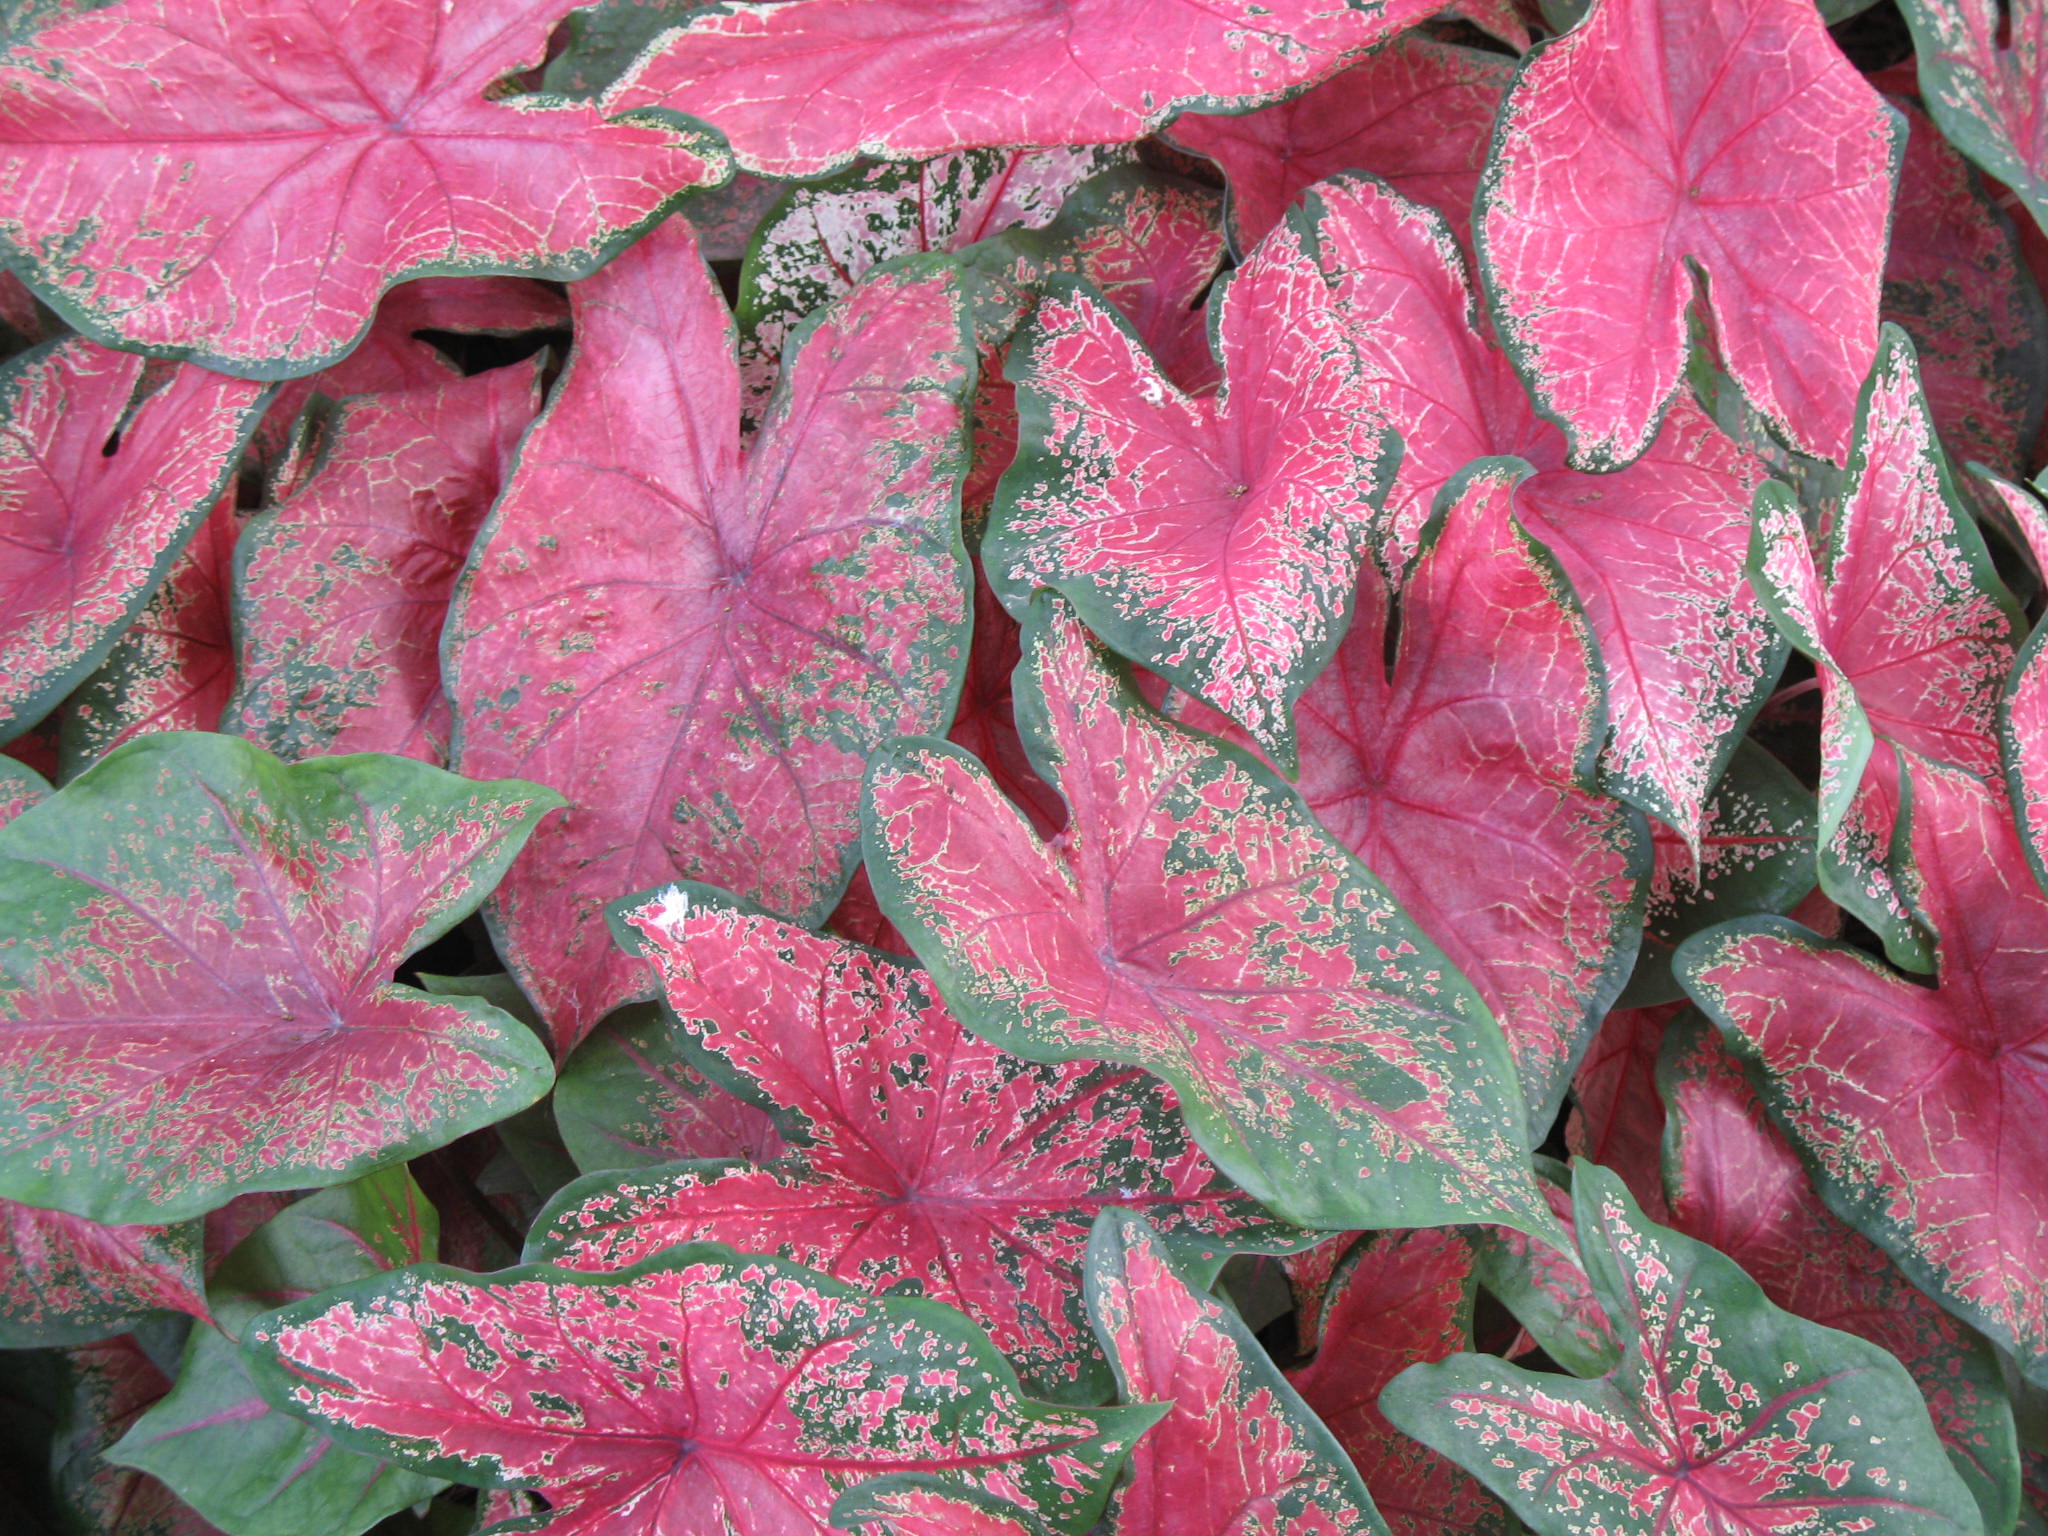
(194,946)
(238,182)
(1193,919)
(1398,1300)
(1417,113)
(247,1466)
(701,1391)
(1239,1453)
(66,1280)
(699,646)
(89,533)
(1982,83)
(342,588)
(922,1160)
(1725,1415)
(802,89)
(1216,542)
(1651,138)
(1916,1106)
(1736,1184)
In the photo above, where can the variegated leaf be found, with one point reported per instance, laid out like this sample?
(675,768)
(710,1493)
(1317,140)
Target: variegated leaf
(1980,72)
(66,1280)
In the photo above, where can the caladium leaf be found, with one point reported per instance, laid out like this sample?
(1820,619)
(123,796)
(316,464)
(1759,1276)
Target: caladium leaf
(1724,1415)
(20,787)
(1417,113)
(1617,1119)
(341,589)
(1907,624)
(704,1390)
(1546,1287)
(214,1441)
(1194,919)
(105,1386)
(1735,1184)
(627,1099)
(92,533)
(922,1159)
(1983,86)
(1216,541)
(915,1504)
(798,90)
(1756,854)
(66,1280)
(173,668)
(194,946)
(1486,694)
(1399,1299)
(1915,1105)
(135,136)
(1238,1451)
(1955,280)
(986,721)
(1654,553)
(699,646)
(1754,152)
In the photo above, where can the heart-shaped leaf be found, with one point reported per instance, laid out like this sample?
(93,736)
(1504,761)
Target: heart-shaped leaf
(1216,541)
(237,183)
(922,1160)
(1725,1415)
(243,1464)
(1238,1451)
(697,645)
(1418,113)
(1982,83)
(1398,1299)
(1736,1184)
(1907,624)
(801,89)
(90,534)
(1916,1106)
(195,950)
(342,587)
(1194,919)
(1653,141)
(702,1391)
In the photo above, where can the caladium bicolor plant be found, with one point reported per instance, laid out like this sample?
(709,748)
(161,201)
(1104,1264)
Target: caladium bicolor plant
(1107,668)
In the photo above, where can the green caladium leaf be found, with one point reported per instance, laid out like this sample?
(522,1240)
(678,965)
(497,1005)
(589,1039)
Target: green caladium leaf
(701,1391)
(1545,1286)
(1725,1415)
(1195,920)
(243,1464)
(195,946)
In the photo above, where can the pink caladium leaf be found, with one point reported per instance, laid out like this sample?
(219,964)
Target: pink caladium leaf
(1195,920)
(135,137)
(922,1159)
(1907,624)
(173,668)
(1916,1106)
(1238,1452)
(1736,1184)
(66,1280)
(801,89)
(1982,84)
(1756,854)
(341,588)
(917,1504)
(216,1443)
(986,721)
(1617,1119)
(1725,1415)
(1654,553)
(92,533)
(1485,693)
(195,941)
(1399,1299)
(701,1391)
(1417,113)
(1955,280)
(1650,142)
(2023,718)
(699,646)
(627,1099)
(1546,1287)
(103,1388)
(1217,541)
